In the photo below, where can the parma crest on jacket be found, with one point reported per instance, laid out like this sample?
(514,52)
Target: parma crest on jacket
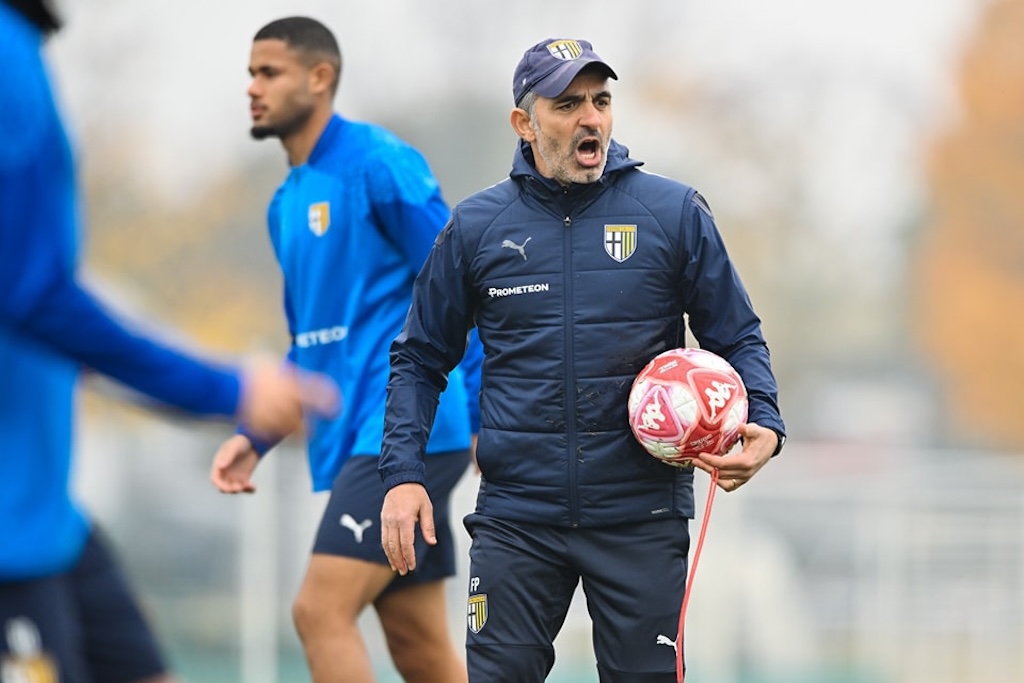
(620,241)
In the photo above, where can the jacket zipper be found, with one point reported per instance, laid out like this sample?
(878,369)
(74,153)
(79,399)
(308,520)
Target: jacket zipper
(570,390)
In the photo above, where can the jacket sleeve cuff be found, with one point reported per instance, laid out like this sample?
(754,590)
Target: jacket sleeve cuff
(414,473)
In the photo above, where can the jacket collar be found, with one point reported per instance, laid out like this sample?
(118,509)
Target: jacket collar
(327,138)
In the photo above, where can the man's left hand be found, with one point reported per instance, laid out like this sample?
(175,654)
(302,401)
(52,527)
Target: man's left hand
(736,469)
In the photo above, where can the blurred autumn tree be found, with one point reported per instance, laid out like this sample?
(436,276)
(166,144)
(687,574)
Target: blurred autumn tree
(970,264)
(203,267)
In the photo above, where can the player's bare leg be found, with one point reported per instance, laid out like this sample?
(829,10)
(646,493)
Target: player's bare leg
(326,612)
(416,625)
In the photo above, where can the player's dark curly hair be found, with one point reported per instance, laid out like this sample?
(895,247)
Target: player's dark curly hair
(38,12)
(308,37)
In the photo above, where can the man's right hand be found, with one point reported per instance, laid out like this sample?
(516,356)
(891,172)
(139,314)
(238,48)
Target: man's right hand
(404,506)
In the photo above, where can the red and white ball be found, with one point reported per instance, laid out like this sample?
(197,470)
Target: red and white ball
(685,402)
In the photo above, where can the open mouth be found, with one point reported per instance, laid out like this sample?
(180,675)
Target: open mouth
(588,152)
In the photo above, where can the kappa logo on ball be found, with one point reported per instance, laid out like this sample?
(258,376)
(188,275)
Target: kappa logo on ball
(655,420)
(716,393)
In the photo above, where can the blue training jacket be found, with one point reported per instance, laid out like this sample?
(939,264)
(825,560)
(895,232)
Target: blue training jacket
(50,327)
(351,228)
(573,290)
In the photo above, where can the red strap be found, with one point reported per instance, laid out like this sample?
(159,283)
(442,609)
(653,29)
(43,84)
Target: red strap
(680,667)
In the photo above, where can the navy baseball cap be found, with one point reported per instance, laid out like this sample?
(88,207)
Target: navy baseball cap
(548,67)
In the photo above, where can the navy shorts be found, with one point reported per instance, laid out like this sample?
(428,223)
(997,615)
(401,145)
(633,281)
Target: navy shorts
(84,622)
(522,580)
(351,523)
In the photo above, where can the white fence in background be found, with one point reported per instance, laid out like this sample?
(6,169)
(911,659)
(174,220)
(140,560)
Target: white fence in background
(838,562)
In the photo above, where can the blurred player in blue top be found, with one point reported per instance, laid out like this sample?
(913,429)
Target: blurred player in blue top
(351,226)
(66,611)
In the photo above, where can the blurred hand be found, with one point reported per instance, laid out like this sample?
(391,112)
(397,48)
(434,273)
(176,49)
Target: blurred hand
(736,469)
(404,506)
(275,395)
(233,465)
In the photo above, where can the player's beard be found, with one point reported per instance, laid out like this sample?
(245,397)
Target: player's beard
(284,128)
(561,161)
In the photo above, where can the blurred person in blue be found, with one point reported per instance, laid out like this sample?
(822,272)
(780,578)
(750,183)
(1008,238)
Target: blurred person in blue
(576,271)
(351,226)
(66,610)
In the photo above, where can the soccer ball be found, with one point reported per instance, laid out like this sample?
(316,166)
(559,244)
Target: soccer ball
(685,402)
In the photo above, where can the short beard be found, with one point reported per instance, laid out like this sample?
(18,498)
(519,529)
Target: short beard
(262,132)
(562,167)
(283,130)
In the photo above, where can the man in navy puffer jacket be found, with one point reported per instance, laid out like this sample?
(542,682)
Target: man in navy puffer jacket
(577,270)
